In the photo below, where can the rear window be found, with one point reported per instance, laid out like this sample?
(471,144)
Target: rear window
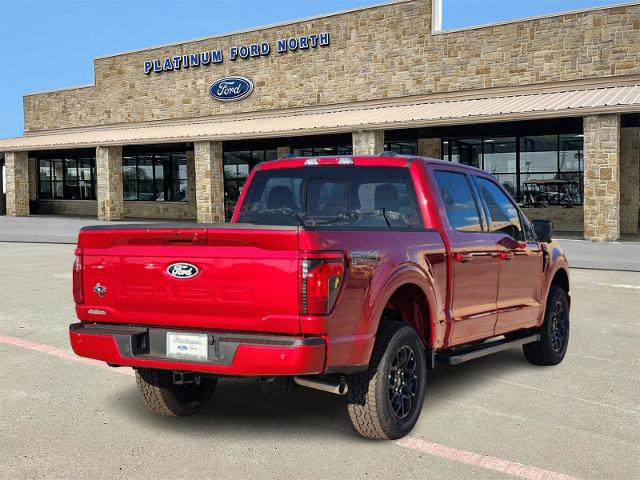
(324,196)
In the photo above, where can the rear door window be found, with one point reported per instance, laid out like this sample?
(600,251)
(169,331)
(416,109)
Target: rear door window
(459,202)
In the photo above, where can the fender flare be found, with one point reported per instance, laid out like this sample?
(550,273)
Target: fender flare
(406,273)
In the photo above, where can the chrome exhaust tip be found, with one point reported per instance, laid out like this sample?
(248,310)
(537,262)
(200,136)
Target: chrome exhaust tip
(337,387)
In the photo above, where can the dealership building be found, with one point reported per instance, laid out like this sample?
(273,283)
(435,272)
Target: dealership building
(550,105)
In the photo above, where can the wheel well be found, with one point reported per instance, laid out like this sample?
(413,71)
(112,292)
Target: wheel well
(409,305)
(561,279)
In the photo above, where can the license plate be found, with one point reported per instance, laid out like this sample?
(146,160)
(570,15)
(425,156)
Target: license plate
(188,346)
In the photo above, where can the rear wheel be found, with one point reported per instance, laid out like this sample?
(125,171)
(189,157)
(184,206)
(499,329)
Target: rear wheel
(385,401)
(164,397)
(554,333)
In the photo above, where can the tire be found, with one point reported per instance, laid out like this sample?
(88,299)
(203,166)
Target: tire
(380,405)
(164,397)
(552,346)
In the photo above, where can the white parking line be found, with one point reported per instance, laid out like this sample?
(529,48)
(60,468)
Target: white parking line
(478,460)
(618,285)
(461,456)
(60,353)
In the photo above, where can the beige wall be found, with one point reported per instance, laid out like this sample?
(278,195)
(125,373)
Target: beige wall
(375,53)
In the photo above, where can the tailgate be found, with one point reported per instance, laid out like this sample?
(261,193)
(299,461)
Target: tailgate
(245,279)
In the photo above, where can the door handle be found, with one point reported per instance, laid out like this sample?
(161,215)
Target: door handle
(462,257)
(505,255)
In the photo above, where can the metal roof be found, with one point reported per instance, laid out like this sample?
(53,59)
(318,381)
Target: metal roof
(574,102)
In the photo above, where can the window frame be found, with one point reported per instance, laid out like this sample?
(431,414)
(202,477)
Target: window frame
(446,148)
(238,181)
(53,182)
(155,163)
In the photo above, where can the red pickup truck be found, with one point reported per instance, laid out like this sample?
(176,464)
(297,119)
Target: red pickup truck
(354,275)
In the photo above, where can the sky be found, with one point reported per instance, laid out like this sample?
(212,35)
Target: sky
(50,44)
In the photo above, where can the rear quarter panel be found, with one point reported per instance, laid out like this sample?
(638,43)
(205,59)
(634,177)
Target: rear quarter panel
(378,262)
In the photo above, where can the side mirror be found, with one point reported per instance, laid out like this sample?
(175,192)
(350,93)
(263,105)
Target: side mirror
(543,229)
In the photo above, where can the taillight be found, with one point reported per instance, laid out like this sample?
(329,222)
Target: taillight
(321,279)
(78,296)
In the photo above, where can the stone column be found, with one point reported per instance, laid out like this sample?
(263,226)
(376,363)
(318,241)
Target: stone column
(16,166)
(629,179)
(33,179)
(209,182)
(602,177)
(109,183)
(430,147)
(368,142)
(282,151)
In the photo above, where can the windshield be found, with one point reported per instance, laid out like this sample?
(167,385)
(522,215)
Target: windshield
(324,196)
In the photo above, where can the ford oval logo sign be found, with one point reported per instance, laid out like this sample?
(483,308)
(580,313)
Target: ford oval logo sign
(228,89)
(182,270)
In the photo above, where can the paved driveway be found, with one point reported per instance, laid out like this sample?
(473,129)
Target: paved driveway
(497,417)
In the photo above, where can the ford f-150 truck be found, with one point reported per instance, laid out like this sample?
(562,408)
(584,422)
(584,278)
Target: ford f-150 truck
(354,275)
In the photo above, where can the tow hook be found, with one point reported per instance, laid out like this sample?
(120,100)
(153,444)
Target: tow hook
(186,378)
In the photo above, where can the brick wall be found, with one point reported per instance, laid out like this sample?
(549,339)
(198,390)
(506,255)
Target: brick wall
(380,52)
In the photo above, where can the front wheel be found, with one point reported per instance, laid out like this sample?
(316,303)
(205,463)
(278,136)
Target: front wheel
(554,333)
(385,401)
(164,397)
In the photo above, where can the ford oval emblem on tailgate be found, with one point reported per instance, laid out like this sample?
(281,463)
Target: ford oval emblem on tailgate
(182,270)
(228,89)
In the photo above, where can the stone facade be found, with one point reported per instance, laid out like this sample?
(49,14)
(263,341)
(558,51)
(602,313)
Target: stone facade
(209,182)
(602,177)
(430,147)
(168,210)
(564,219)
(33,180)
(375,53)
(109,183)
(368,142)
(629,179)
(82,208)
(17,183)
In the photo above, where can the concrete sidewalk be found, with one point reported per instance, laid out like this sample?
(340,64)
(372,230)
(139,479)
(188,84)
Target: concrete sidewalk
(623,255)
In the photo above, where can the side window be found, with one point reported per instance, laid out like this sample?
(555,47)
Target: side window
(503,215)
(458,200)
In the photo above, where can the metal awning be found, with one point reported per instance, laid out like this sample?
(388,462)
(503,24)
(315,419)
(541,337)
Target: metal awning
(574,102)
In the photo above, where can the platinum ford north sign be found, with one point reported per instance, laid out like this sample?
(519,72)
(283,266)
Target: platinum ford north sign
(228,89)
(244,52)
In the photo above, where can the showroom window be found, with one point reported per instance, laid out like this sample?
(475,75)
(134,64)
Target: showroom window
(237,165)
(318,151)
(67,177)
(537,170)
(155,177)
(402,148)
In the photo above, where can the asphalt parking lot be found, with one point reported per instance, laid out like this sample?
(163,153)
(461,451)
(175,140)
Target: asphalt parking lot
(497,417)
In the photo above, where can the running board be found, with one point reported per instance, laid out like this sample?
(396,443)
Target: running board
(464,354)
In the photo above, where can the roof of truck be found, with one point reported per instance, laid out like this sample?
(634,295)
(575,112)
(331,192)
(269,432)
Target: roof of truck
(384,160)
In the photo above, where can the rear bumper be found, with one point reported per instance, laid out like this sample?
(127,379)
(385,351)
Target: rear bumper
(229,353)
